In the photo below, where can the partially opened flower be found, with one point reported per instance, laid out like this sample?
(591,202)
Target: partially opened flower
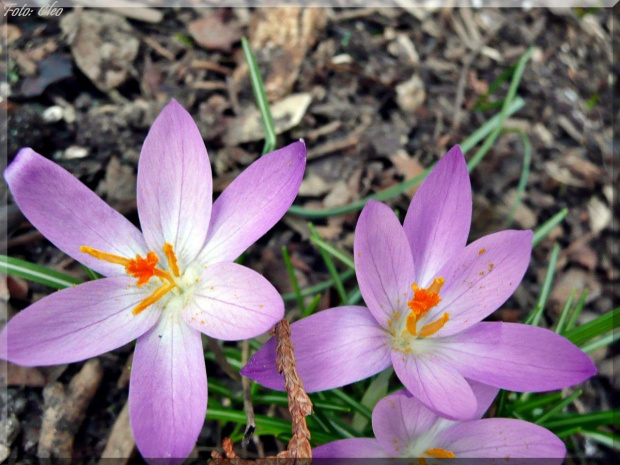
(165,285)
(405,428)
(426,294)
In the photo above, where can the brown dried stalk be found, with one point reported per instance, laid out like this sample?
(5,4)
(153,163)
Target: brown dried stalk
(299,404)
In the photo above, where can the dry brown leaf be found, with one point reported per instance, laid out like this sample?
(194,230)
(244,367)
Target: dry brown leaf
(214,33)
(408,167)
(103,45)
(286,113)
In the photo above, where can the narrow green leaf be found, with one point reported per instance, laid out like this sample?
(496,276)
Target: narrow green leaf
(597,327)
(334,252)
(377,389)
(599,343)
(610,440)
(320,287)
(544,229)
(539,401)
(36,273)
(585,420)
(510,96)
(355,296)
(92,275)
(311,308)
(293,278)
(261,98)
(525,173)
(559,327)
(581,303)
(536,314)
(553,411)
(351,402)
(330,266)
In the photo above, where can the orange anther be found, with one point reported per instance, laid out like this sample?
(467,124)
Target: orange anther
(439,453)
(172,259)
(432,328)
(106,257)
(154,297)
(423,300)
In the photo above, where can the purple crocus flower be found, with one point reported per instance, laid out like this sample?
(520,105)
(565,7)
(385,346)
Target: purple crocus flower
(165,285)
(405,428)
(426,293)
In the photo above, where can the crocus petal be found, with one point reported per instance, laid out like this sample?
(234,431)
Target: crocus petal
(503,439)
(357,448)
(517,357)
(398,419)
(175,185)
(383,262)
(69,214)
(77,323)
(254,202)
(485,395)
(334,347)
(436,384)
(480,278)
(168,390)
(437,222)
(233,302)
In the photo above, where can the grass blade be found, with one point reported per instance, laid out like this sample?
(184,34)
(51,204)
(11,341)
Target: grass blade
(330,266)
(525,173)
(294,282)
(559,327)
(261,98)
(581,303)
(310,309)
(333,251)
(536,314)
(320,287)
(377,389)
(558,407)
(36,273)
(597,327)
(544,229)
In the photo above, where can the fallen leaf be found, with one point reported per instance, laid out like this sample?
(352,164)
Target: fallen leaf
(286,113)
(408,167)
(51,69)
(213,33)
(103,45)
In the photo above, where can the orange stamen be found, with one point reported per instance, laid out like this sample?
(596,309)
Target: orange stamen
(172,259)
(432,328)
(154,297)
(423,300)
(440,453)
(143,268)
(106,257)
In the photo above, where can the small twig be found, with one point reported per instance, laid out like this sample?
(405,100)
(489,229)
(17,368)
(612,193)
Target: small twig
(221,359)
(65,409)
(247,397)
(211,66)
(160,49)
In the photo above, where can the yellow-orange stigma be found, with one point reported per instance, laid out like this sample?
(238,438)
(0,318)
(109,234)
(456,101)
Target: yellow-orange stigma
(439,453)
(144,269)
(423,300)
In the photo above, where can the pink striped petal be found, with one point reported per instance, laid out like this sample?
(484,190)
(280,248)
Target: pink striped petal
(436,384)
(333,348)
(517,357)
(77,323)
(168,390)
(254,202)
(233,302)
(69,214)
(398,419)
(480,278)
(175,185)
(383,262)
(437,222)
(356,448)
(502,438)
